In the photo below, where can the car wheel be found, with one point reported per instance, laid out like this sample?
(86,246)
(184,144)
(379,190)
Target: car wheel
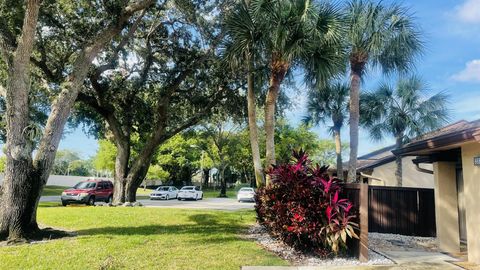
(167,198)
(196,197)
(64,203)
(179,199)
(201,197)
(91,201)
(109,199)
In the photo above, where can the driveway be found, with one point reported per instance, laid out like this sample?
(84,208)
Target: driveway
(226,204)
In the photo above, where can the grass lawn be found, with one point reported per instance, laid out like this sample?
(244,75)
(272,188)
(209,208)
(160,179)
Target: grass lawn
(53,190)
(210,193)
(140,238)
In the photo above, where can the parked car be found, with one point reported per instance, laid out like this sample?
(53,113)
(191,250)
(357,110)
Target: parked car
(246,194)
(164,193)
(190,192)
(88,192)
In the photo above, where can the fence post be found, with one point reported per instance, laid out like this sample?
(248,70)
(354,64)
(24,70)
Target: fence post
(363,198)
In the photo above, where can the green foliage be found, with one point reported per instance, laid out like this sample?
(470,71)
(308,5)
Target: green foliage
(404,110)
(68,162)
(382,35)
(288,138)
(177,159)
(291,33)
(104,160)
(328,104)
(156,172)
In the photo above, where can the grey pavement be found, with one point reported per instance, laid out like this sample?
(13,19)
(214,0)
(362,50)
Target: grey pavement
(209,204)
(226,204)
(50,199)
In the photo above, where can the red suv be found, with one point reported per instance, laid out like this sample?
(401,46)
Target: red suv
(88,192)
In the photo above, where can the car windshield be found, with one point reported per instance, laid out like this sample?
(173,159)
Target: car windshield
(246,190)
(162,189)
(187,188)
(85,185)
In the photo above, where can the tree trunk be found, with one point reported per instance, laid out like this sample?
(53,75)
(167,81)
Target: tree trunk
(121,172)
(398,160)
(223,183)
(24,177)
(279,69)
(131,190)
(19,189)
(206,174)
(253,128)
(338,152)
(355,81)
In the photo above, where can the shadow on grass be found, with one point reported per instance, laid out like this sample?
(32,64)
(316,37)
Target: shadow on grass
(204,219)
(206,225)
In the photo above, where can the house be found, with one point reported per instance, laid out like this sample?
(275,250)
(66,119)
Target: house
(454,154)
(378,168)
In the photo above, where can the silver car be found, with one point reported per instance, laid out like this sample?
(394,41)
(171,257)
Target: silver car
(246,195)
(164,193)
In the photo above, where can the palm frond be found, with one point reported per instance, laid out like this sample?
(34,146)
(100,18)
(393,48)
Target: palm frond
(404,111)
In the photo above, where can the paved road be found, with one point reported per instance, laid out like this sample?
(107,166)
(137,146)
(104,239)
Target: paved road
(209,204)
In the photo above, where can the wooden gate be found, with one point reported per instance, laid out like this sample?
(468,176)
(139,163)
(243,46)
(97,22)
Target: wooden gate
(399,210)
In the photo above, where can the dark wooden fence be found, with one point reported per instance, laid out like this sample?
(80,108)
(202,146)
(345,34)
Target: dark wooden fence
(406,211)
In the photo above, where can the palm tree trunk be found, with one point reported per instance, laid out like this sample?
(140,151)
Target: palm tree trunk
(338,152)
(253,129)
(398,160)
(270,103)
(355,81)
(279,69)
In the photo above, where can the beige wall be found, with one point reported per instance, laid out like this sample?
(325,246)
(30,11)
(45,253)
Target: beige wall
(446,207)
(471,180)
(411,177)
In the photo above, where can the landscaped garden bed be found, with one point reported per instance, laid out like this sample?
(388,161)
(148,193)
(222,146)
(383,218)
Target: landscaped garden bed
(295,257)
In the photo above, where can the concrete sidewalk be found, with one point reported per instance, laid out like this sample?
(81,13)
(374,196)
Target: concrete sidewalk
(404,260)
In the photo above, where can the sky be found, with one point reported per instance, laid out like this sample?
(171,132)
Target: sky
(450,63)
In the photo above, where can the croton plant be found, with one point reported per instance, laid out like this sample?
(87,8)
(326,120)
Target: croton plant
(305,207)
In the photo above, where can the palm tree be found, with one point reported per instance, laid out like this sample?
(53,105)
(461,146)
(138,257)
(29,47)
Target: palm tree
(381,36)
(285,34)
(243,35)
(330,103)
(404,112)
(295,32)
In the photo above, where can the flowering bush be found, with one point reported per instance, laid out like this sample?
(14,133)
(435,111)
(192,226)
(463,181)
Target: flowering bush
(303,207)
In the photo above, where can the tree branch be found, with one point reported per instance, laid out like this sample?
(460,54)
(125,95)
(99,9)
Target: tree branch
(3,91)
(111,63)
(62,105)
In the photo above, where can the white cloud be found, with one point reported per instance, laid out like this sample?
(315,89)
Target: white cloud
(469,11)
(471,73)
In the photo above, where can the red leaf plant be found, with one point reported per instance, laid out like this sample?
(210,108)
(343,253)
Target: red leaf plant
(304,207)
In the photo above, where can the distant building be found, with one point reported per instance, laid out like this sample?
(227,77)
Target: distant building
(378,168)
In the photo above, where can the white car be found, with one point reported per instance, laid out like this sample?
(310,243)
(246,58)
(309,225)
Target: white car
(164,193)
(246,194)
(190,192)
